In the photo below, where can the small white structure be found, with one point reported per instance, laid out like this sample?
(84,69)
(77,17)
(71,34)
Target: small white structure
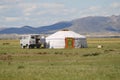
(66,39)
(99,46)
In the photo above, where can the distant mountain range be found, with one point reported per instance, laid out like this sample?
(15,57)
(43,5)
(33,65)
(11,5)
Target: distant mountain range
(90,24)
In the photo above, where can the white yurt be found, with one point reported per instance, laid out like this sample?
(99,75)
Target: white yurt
(66,39)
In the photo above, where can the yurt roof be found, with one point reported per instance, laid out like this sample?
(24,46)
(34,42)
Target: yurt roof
(64,34)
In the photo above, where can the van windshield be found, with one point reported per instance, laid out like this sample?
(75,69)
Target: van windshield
(24,37)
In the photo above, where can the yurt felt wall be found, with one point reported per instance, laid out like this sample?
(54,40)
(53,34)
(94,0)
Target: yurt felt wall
(58,40)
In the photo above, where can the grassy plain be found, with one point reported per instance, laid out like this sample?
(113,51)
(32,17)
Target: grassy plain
(61,64)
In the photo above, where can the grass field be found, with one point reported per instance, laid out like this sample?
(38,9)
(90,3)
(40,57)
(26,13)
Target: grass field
(61,64)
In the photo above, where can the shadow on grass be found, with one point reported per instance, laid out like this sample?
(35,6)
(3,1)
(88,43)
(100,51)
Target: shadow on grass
(91,54)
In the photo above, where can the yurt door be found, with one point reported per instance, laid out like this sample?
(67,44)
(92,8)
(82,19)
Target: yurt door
(69,42)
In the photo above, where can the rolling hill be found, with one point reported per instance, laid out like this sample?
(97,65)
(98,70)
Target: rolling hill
(96,24)
(90,24)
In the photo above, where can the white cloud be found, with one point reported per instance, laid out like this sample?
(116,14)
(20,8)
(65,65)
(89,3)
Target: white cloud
(4,7)
(52,5)
(42,8)
(27,13)
(90,10)
(115,5)
(41,12)
(12,19)
(94,8)
(55,9)
(95,11)
(27,8)
(30,9)
(9,0)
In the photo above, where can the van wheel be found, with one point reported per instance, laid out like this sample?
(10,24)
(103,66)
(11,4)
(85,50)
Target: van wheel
(38,46)
(22,46)
(32,46)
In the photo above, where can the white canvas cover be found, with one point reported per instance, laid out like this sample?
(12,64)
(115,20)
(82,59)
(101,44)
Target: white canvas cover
(57,40)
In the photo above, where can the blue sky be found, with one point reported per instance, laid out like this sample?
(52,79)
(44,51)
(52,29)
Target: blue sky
(18,13)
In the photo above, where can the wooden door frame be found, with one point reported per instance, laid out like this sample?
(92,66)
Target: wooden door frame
(66,42)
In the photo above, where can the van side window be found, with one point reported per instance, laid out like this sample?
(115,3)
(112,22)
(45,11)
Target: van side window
(25,37)
(32,37)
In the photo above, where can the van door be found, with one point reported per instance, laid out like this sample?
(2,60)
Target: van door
(32,39)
